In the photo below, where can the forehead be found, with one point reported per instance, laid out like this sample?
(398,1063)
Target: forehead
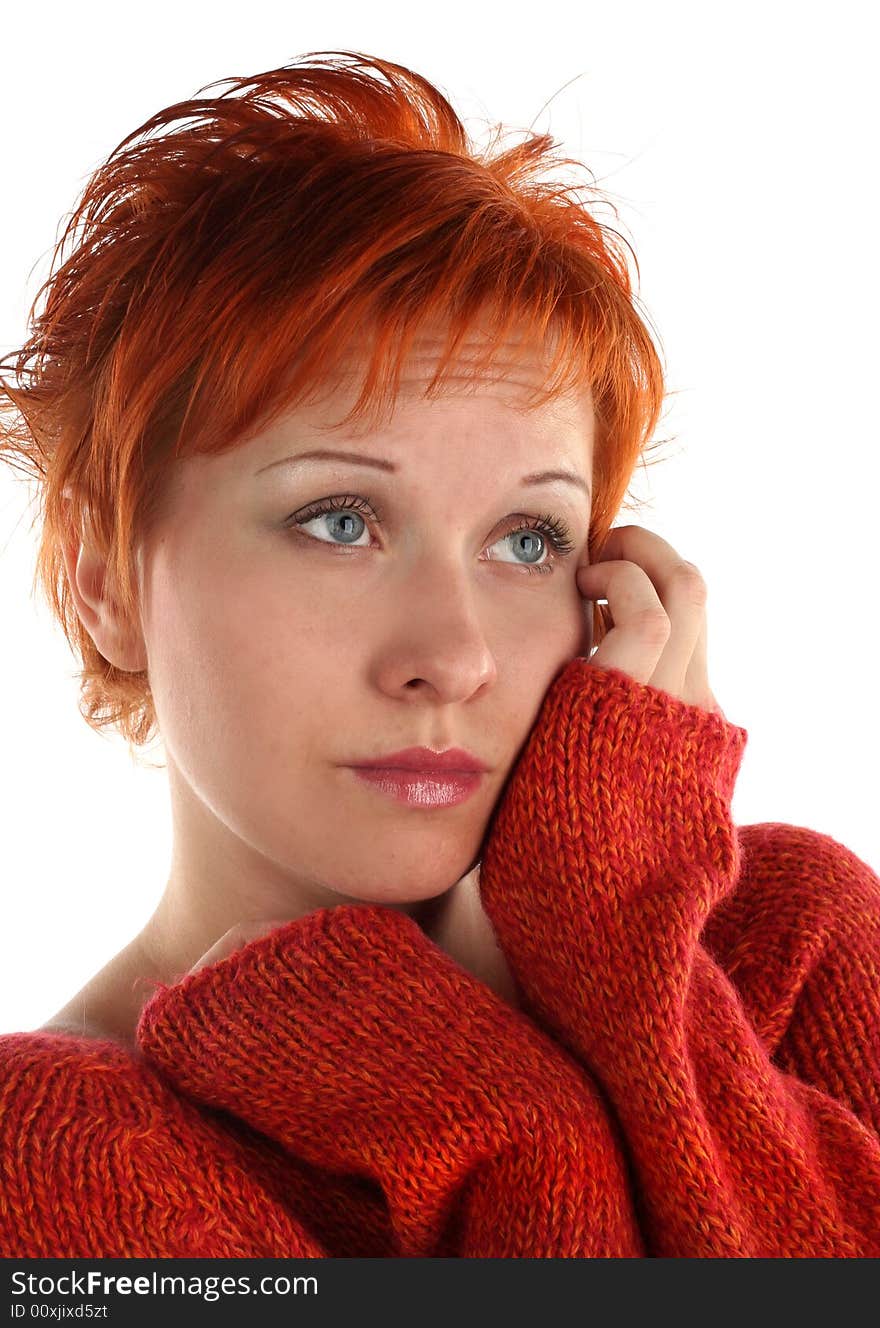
(504,386)
(518,360)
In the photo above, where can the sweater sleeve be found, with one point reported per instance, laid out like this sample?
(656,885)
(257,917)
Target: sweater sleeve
(349,1038)
(609,849)
(800,936)
(100,1160)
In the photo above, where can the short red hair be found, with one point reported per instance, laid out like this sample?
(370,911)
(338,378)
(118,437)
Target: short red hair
(221,266)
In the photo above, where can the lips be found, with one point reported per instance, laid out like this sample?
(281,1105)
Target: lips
(423,760)
(421,789)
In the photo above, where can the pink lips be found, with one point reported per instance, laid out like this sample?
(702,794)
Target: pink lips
(420,788)
(422,777)
(423,760)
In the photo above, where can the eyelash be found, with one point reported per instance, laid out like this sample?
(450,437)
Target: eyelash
(552,528)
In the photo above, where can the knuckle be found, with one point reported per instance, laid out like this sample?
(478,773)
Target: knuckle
(653,624)
(692,580)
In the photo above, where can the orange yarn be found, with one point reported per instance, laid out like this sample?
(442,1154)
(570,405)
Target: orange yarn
(697,1073)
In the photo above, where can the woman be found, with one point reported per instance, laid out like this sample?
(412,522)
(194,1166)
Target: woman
(558,1006)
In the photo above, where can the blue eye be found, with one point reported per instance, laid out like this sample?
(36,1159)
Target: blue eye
(552,530)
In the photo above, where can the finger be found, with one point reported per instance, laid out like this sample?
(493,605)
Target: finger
(684,599)
(696,684)
(640,627)
(647,550)
(680,589)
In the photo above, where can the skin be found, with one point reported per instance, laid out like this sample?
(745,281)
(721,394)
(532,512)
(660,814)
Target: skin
(274,659)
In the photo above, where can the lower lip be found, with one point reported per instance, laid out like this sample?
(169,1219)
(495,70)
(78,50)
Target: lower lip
(422,788)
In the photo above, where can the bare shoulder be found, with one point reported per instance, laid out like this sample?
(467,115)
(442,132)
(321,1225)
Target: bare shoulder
(75,1023)
(108,1006)
(78,1028)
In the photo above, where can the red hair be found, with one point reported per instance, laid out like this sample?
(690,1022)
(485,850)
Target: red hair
(223,264)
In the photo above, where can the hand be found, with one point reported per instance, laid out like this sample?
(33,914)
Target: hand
(657,602)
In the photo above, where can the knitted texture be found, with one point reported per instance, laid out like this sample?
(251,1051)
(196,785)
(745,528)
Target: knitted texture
(695,1071)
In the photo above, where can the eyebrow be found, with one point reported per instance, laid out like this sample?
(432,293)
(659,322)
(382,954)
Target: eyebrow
(379,463)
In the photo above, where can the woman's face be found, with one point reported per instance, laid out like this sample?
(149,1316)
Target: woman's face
(279,655)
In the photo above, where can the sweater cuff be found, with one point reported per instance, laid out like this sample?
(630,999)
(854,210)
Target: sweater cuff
(611,845)
(618,777)
(356,1043)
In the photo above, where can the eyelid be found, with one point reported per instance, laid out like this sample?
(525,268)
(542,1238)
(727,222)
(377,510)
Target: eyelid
(554,530)
(356,502)
(353,499)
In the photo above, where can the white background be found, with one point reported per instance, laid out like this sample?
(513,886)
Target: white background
(739,146)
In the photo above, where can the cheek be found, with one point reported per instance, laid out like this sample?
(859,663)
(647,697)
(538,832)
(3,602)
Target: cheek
(552,627)
(223,648)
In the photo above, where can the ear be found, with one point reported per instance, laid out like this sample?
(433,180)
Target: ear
(87,578)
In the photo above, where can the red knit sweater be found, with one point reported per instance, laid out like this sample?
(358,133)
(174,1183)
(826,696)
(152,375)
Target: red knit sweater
(696,1071)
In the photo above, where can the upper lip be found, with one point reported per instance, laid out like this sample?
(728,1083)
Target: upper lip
(453,760)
